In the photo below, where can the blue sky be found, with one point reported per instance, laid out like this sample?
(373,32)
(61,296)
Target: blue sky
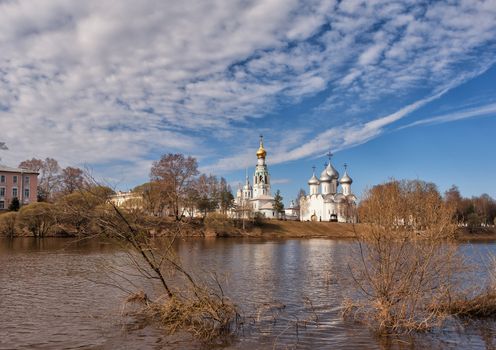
(395,89)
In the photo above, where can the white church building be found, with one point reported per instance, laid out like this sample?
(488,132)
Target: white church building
(330,198)
(257,198)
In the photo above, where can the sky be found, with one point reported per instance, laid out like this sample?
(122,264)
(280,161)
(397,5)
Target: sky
(403,90)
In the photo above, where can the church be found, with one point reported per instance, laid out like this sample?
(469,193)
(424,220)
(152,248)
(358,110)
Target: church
(257,198)
(327,202)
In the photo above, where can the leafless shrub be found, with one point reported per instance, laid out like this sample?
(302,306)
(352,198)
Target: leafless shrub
(185,302)
(206,314)
(37,218)
(8,224)
(403,267)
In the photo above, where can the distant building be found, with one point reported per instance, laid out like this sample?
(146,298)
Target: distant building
(17,183)
(292,213)
(127,199)
(326,202)
(257,199)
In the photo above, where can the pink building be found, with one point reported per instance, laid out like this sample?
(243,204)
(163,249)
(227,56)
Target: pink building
(20,183)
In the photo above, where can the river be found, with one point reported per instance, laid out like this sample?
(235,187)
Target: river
(56,294)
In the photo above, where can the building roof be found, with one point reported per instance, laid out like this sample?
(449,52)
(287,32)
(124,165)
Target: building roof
(7,169)
(263,197)
(267,206)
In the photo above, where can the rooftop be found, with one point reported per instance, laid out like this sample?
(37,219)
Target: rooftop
(6,169)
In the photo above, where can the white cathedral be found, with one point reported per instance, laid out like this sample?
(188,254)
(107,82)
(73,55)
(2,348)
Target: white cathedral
(257,198)
(325,202)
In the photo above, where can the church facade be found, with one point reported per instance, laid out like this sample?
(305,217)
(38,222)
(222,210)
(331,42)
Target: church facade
(329,198)
(257,198)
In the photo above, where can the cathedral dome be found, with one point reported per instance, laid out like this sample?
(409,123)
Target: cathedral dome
(325,177)
(333,173)
(313,180)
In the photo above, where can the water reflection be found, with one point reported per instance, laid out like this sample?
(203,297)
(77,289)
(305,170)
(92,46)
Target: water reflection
(49,298)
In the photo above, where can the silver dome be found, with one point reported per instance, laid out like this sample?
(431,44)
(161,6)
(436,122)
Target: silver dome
(346,179)
(324,176)
(333,173)
(313,180)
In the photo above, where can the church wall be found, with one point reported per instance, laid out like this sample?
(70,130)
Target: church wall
(312,205)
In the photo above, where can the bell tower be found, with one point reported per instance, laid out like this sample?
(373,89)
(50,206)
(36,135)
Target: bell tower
(261,178)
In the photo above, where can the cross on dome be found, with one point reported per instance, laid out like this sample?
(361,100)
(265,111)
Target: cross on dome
(329,155)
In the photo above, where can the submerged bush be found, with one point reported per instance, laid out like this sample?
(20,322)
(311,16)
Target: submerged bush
(208,316)
(403,269)
(37,218)
(8,223)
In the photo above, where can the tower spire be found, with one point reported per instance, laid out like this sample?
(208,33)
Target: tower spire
(261,153)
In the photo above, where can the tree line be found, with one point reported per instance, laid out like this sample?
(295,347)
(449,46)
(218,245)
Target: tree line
(54,180)
(472,212)
(176,188)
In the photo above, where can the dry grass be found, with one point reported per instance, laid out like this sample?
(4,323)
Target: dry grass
(299,229)
(482,305)
(208,316)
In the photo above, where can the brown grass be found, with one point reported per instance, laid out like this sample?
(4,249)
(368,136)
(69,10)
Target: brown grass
(301,229)
(208,316)
(481,306)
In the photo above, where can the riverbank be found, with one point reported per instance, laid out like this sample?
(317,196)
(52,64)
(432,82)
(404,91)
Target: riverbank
(481,234)
(336,230)
(298,229)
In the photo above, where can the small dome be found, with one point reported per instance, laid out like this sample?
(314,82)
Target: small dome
(313,180)
(261,153)
(346,179)
(324,176)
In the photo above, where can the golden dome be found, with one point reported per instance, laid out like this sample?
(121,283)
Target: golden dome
(261,153)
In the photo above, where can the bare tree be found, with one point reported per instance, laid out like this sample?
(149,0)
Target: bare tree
(71,180)
(49,177)
(33,164)
(187,302)
(402,267)
(174,174)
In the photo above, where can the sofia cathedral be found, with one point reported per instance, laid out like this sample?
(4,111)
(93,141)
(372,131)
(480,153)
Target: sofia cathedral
(326,202)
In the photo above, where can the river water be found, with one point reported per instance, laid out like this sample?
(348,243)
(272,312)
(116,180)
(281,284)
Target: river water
(57,294)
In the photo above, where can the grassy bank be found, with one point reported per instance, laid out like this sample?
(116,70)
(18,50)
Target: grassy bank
(478,234)
(297,229)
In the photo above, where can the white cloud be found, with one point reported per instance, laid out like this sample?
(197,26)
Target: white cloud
(481,111)
(102,81)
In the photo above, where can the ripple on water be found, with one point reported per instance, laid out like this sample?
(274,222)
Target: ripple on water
(49,298)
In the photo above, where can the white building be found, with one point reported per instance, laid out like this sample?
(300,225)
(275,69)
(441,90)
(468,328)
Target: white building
(127,199)
(292,213)
(257,198)
(326,201)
